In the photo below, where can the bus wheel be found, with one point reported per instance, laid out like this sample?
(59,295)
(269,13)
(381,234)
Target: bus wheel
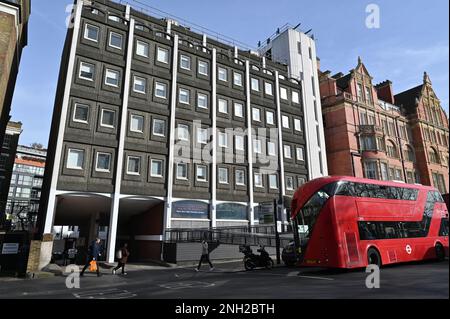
(373,257)
(440,253)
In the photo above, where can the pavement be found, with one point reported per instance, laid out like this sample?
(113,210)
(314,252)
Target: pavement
(230,281)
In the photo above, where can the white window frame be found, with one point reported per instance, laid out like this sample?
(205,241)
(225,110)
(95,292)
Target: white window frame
(297,125)
(283,93)
(184,92)
(226,105)
(276,181)
(285,124)
(78,151)
(241,106)
(274,153)
(237,75)
(255,84)
(109,72)
(268,85)
(131,121)
(261,185)
(128,165)
(75,113)
(202,135)
(241,138)
(257,150)
(151,168)
(111,33)
(258,113)
(292,183)
(295,97)
(206,64)
(287,150)
(161,50)
(272,116)
(223,169)
(202,96)
(161,84)
(139,78)
(185,58)
(109,162)
(182,128)
(93,71)
(220,136)
(184,178)
(197,175)
(243,177)
(86,29)
(298,151)
(220,72)
(145,45)
(153,127)
(101,118)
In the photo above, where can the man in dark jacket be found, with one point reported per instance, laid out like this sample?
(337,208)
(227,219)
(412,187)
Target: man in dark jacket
(124,253)
(95,250)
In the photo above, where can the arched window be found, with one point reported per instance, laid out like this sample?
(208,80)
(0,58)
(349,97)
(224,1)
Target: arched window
(409,154)
(391,149)
(434,156)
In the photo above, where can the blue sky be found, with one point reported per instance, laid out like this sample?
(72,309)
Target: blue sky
(412,38)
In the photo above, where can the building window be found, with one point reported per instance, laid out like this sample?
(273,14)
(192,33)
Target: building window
(297,125)
(114,18)
(107,118)
(156,168)
(270,118)
(434,157)
(103,162)
(237,79)
(87,71)
(115,40)
(300,153)
(223,106)
(239,143)
(223,175)
(391,150)
(439,182)
(268,88)
(202,135)
(256,114)
(271,149)
(258,180)
(137,123)
(159,127)
(285,121)
(368,94)
(283,93)
(183,132)
(238,110)
(255,84)
(162,55)
(81,113)
(75,159)
(289,183)
(142,49)
(295,97)
(203,68)
(368,143)
(287,151)
(223,140)
(301,181)
(370,170)
(359,92)
(161,90)
(384,171)
(139,85)
(91,32)
(185,62)
(410,154)
(202,101)
(202,172)
(273,181)
(240,177)
(112,78)
(182,171)
(257,147)
(23,192)
(184,96)
(133,165)
(223,74)
(398,175)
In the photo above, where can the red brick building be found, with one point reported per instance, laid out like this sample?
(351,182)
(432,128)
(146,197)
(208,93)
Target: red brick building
(372,133)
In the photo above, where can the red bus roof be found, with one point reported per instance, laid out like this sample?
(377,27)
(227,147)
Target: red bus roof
(307,190)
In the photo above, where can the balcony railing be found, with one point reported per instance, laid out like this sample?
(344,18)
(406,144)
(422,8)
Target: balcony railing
(370,129)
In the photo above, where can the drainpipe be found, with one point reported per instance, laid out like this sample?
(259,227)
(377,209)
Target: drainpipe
(399,140)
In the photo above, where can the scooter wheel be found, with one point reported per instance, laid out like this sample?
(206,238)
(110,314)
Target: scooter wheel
(269,264)
(248,265)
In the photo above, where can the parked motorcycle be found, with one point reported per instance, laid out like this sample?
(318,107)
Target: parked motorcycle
(251,260)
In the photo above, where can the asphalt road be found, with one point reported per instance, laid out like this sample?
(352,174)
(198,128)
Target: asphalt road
(418,280)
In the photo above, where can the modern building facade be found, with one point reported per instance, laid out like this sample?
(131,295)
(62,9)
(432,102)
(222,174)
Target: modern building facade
(14,16)
(7,157)
(26,187)
(372,132)
(158,127)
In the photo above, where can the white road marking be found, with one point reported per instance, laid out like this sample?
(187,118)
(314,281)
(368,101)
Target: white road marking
(313,277)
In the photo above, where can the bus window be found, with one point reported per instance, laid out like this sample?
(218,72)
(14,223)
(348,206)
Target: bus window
(443,231)
(307,217)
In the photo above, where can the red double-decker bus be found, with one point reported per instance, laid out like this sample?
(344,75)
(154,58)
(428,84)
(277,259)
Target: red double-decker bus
(347,222)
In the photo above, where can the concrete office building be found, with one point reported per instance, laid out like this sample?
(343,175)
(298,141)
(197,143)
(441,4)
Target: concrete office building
(7,157)
(14,16)
(158,127)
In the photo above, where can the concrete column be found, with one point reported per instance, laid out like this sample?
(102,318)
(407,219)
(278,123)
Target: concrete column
(115,202)
(282,187)
(171,161)
(214,139)
(51,205)
(249,143)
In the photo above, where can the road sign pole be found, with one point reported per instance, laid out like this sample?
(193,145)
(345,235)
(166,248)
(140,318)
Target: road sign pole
(277,235)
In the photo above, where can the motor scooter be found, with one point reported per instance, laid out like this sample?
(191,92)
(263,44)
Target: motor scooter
(252,261)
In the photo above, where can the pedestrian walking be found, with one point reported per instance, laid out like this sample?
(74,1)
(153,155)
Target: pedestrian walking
(205,256)
(122,255)
(95,250)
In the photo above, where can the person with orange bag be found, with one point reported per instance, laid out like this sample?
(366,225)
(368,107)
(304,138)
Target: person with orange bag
(95,250)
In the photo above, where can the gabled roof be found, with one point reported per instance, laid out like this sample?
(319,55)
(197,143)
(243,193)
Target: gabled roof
(407,99)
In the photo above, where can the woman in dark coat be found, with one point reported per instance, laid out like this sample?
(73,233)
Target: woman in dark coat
(124,253)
